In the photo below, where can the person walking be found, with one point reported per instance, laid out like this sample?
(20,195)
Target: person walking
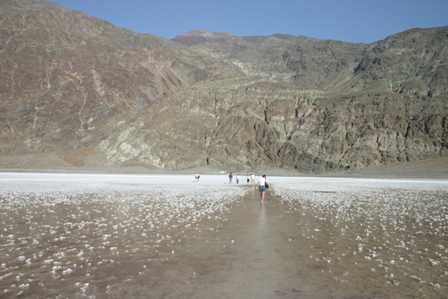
(230,178)
(197,177)
(262,187)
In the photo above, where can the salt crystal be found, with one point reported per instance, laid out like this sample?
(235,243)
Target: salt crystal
(433,262)
(6,276)
(67,272)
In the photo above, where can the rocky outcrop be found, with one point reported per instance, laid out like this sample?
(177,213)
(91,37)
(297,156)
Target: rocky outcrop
(67,80)
(82,93)
(305,62)
(313,133)
(412,62)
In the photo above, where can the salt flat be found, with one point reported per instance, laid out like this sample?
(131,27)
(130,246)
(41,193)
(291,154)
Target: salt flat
(384,237)
(78,234)
(356,184)
(134,236)
(71,182)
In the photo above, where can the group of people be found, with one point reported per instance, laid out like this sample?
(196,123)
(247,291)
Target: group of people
(263,185)
(250,179)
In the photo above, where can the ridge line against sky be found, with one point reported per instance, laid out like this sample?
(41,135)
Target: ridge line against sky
(345,20)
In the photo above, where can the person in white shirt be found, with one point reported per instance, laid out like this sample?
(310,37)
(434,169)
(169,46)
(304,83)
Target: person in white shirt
(262,187)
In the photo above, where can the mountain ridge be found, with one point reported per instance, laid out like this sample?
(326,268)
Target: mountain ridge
(82,92)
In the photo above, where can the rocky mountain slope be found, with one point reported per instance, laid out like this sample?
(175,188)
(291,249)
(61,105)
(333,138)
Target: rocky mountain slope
(77,91)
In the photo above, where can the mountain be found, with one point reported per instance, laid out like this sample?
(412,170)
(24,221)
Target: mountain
(306,62)
(68,81)
(77,91)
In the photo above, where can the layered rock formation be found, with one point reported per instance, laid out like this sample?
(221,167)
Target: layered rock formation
(76,91)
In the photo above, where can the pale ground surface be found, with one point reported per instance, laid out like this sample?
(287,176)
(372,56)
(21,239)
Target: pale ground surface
(429,168)
(434,168)
(155,236)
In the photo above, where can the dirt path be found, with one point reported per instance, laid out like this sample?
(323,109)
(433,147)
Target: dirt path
(260,253)
(251,256)
(261,264)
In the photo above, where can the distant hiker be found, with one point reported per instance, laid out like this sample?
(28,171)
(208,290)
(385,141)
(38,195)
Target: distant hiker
(230,178)
(237,180)
(252,179)
(197,177)
(247,180)
(262,187)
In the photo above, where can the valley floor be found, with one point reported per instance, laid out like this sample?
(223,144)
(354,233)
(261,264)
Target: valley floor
(434,168)
(140,236)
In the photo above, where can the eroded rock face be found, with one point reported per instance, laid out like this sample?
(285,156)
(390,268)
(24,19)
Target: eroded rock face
(82,92)
(317,134)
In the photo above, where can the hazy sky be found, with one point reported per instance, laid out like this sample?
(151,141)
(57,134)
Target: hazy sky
(349,20)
